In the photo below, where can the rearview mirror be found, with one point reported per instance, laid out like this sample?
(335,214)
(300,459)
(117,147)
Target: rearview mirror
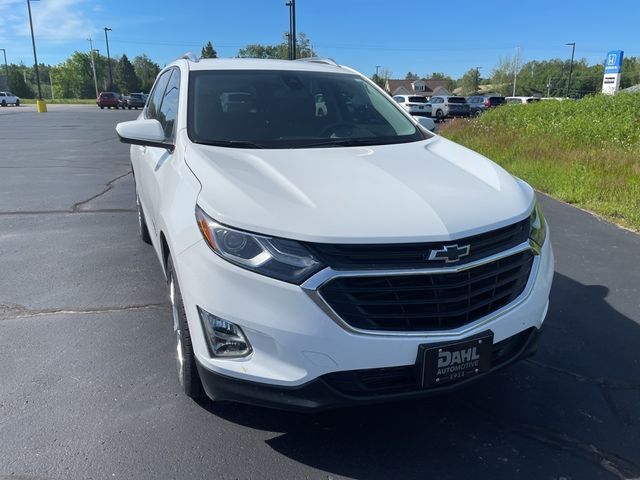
(147,132)
(426,122)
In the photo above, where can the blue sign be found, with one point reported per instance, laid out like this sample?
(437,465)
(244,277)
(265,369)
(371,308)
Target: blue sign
(613,63)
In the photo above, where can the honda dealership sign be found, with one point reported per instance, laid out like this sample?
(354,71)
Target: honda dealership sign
(612,72)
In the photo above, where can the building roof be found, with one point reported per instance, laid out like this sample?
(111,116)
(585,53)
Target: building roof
(398,87)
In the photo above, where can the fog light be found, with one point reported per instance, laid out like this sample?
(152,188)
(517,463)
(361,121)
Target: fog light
(224,338)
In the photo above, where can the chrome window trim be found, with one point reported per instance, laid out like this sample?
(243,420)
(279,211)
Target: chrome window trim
(312,288)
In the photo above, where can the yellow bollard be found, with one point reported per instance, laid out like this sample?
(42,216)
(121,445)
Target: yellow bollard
(41,106)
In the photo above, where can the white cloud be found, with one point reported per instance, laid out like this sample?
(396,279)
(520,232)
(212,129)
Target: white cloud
(53,20)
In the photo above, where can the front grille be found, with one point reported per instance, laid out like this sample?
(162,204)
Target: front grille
(415,255)
(404,379)
(429,301)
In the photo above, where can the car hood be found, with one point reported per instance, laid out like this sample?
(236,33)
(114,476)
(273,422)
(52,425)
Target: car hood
(414,192)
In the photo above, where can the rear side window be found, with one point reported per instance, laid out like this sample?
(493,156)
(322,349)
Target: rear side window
(457,100)
(496,100)
(417,99)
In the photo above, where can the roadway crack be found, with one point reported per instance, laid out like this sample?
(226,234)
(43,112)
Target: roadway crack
(57,212)
(608,461)
(109,186)
(599,381)
(12,311)
(612,463)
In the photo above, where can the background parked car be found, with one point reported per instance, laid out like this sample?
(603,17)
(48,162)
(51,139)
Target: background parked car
(443,106)
(414,104)
(8,98)
(134,100)
(109,100)
(521,100)
(480,103)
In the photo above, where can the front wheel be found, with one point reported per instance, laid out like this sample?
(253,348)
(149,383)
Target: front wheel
(439,115)
(185,357)
(4,103)
(17,103)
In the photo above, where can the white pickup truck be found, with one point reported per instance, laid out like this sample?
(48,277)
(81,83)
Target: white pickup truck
(8,98)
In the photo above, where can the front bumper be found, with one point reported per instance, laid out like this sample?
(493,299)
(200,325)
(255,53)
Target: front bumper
(297,344)
(343,389)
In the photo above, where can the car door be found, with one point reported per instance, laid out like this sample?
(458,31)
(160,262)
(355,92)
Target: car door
(143,158)
(157,160)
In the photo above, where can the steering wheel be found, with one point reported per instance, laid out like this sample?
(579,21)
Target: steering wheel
(335,127)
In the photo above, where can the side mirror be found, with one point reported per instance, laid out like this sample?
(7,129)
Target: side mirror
(147,132)
(426,122)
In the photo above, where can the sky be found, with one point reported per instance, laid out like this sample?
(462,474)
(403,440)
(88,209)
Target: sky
(402,36)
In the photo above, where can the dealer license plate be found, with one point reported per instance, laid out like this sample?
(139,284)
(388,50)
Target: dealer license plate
(449,362)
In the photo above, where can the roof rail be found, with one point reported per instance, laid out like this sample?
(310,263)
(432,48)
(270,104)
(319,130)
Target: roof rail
(188,56)
(324,61)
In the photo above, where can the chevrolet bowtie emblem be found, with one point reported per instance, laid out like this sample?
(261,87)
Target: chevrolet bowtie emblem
(450,253)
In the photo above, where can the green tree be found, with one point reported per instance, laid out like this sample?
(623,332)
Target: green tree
(470,82)
(208,51)
(280,50)
(125,76)
(411,76)
(502,76)
(16,82)
(381,77)
(146,71)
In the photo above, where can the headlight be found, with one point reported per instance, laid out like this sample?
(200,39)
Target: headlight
(285,260)
(538,231)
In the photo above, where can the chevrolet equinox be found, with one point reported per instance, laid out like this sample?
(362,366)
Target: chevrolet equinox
(321,247)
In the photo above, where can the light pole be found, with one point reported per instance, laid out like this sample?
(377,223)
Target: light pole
(93,65)
(292,28)
(573,51)
(515,70)
(41,106)
(6,67)
(377,68)
(106,37)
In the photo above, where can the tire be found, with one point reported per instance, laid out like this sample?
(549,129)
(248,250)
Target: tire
(185,357)
(17,103)
(142,223)
(439,115)
(476,113)
(101,107)
(129,108)
(4,103)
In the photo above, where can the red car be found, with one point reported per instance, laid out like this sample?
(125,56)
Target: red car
(109,100)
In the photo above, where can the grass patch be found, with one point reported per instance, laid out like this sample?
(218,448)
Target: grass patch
(61,101)
(586,153)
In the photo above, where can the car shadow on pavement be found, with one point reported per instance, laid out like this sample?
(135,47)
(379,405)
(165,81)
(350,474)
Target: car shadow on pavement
(571,411)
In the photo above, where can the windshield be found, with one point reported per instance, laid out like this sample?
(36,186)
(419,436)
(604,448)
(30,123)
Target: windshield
(289,109)
(418,99)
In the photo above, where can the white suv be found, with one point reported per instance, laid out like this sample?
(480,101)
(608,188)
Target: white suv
(324,257)
(8,98)
(443,106)
(414,104)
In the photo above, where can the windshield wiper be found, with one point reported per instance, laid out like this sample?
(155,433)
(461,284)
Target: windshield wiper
(232,143)
(339,142)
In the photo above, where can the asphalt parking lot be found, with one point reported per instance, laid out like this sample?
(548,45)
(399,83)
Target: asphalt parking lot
(88,387)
